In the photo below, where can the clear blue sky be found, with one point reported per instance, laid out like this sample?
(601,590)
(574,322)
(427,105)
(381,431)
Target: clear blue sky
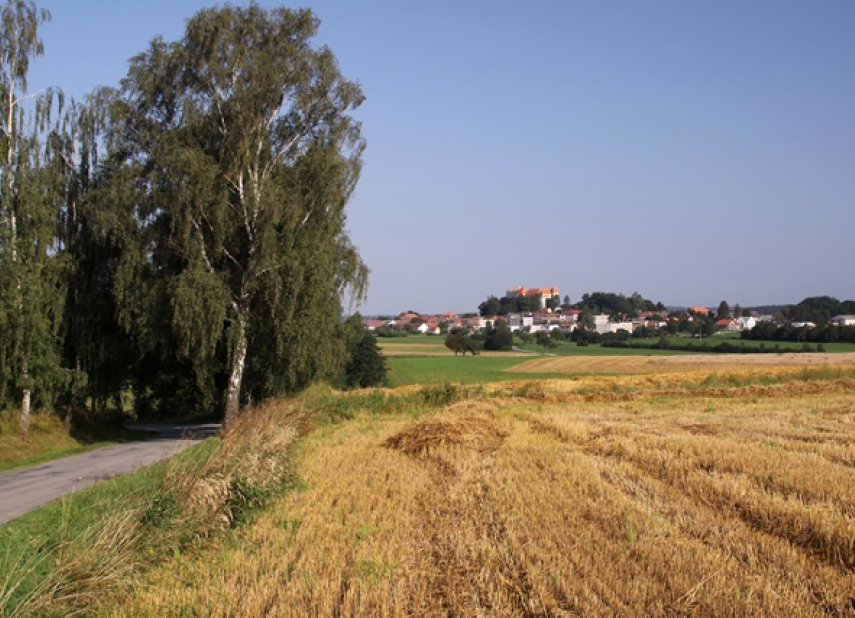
(691,151)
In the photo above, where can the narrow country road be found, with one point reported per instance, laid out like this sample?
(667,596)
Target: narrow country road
(25,489)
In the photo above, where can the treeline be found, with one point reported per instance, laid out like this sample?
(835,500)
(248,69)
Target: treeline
(616,305)
(767,331)
(516,304)
(818,309)
(666,343)
(181,235)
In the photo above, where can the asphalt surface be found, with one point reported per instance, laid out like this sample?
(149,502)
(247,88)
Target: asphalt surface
(25,489)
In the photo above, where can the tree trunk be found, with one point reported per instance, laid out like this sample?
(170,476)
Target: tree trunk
(236,375)
(25,412)
(120,408)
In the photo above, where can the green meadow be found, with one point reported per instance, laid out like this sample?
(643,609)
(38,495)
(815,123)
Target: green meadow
(404,370)
(424,359)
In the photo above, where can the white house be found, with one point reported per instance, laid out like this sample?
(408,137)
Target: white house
(520,322)
(843,320)
(747,322)
(727,324)
(603,326)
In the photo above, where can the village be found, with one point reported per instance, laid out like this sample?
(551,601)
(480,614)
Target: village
(551,314)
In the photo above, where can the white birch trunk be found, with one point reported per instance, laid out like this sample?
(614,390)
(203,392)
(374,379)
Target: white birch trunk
(25,412)
(236,375)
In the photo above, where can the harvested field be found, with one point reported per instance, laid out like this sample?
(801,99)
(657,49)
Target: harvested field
(663,364)
(556,498)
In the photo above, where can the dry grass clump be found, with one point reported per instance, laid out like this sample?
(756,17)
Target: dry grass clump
(467,425)
(252,463)
(694,504)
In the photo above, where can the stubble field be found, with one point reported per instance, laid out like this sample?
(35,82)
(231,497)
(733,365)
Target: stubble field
(667,494)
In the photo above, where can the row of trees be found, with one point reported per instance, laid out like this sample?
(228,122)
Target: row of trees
(505,305)
(818,309)
(616,305)
(183,233)
(767,331)
(496,337)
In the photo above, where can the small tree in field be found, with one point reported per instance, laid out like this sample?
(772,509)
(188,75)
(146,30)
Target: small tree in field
(366,365)
(544,339)
(453,342)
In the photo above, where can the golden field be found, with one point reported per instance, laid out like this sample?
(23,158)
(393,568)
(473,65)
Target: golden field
(661,494)
(680,363)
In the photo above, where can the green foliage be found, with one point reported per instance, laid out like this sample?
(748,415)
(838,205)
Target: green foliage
(818,309)
(232,159)
(544,339)
(503,306)
(32,271)
(498,337)
(490,307)
(366,365)
(828,334)
(459,341)
(617,305)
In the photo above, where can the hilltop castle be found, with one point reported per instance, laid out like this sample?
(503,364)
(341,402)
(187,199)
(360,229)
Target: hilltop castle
(543,294)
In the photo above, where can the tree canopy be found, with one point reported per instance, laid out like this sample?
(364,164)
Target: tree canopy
(31,275)
(617,305)
(183,233)
(233,156)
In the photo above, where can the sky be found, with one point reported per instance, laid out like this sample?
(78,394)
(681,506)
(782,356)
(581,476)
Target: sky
(693,152)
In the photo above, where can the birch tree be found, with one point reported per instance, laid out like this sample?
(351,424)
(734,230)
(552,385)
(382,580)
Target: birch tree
(30,272)
(245,157)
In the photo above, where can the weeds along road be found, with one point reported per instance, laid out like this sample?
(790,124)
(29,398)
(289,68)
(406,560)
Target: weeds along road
(25,489)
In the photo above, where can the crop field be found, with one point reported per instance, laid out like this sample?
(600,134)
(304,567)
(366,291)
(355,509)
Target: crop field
(671,364)
(458,369)
(422,359)
(690,493)
(571,360)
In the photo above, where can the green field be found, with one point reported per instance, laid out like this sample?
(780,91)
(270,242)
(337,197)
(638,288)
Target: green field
(458,369)
(423,359)
(406,366)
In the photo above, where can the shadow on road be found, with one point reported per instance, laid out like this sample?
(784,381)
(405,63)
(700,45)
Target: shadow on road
(178,431)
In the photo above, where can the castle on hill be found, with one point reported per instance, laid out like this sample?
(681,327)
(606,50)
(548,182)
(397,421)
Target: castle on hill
(542,294)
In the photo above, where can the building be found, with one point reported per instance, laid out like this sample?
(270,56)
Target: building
(701,310)
(727,325)
(747,322)
(520,322)
(543,294)
(843,320)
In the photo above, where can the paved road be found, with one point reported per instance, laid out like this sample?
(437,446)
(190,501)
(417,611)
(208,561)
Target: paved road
(28,488)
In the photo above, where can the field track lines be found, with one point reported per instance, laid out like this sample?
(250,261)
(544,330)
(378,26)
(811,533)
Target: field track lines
(687,511)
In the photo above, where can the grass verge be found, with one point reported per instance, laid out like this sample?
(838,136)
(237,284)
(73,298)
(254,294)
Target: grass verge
(50,438)
(71,556)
